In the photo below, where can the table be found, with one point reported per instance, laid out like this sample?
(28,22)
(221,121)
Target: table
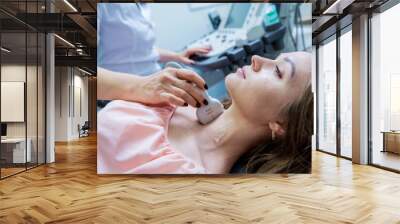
(13,150)
(391,141)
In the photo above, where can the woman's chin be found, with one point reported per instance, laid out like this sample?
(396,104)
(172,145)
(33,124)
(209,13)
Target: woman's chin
(229,82)
(232,80)
(232,77)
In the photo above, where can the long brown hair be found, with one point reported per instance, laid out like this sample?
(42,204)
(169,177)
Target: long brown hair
(292,152)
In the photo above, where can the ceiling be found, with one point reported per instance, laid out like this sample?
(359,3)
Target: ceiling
(331,15)
(76,23)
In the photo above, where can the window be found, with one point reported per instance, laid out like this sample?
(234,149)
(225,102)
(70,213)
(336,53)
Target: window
(346,93)
(385,89)
(327,96)
(22,87)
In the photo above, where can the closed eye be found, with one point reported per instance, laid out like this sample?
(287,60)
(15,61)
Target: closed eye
(278,72)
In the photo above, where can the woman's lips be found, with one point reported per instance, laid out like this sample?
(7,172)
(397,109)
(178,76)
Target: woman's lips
(240,72)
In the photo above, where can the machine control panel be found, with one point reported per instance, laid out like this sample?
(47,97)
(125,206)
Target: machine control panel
(235,29)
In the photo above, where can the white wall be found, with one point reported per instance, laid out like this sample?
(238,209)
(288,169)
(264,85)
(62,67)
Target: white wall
(12,100)
(81,84)
(12,73)
(176,25)
(61,103)
(69,82)
(34,125)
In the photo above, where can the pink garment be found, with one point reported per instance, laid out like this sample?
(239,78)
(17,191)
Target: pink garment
(132,139)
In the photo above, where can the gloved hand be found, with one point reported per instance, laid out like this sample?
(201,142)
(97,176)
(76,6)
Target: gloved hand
(174,86)
(184,57)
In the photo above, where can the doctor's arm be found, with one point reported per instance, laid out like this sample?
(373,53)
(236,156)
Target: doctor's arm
(183,57)
(167,86)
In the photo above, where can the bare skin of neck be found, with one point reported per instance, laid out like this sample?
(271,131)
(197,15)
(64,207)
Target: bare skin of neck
(217,145)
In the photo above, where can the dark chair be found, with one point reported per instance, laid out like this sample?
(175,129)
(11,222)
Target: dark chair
(84,130)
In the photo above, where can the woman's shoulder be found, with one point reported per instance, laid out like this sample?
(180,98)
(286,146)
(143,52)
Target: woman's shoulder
(132,138)
(120,116)
(129,107)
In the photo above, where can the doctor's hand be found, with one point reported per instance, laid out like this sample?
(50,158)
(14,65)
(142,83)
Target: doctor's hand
(174,86)
(184,57)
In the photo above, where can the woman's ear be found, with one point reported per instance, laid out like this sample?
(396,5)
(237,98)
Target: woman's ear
(277,128)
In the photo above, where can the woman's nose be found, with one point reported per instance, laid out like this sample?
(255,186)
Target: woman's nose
(256,63)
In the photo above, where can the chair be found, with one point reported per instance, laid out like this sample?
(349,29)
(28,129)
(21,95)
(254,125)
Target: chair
(84,130)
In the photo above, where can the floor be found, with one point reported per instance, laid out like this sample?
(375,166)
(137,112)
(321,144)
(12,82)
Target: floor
(388,159)
(70,191)
(13,170)
(10,171)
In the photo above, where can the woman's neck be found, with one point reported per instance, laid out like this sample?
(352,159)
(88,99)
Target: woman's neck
(227,138)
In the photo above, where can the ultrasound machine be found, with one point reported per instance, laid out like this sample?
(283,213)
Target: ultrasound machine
(236,29)
(249,29)
(246,31)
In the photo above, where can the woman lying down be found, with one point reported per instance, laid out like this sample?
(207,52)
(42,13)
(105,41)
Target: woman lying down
(268,124)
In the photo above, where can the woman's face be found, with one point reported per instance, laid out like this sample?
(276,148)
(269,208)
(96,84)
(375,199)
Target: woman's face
(261,90)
